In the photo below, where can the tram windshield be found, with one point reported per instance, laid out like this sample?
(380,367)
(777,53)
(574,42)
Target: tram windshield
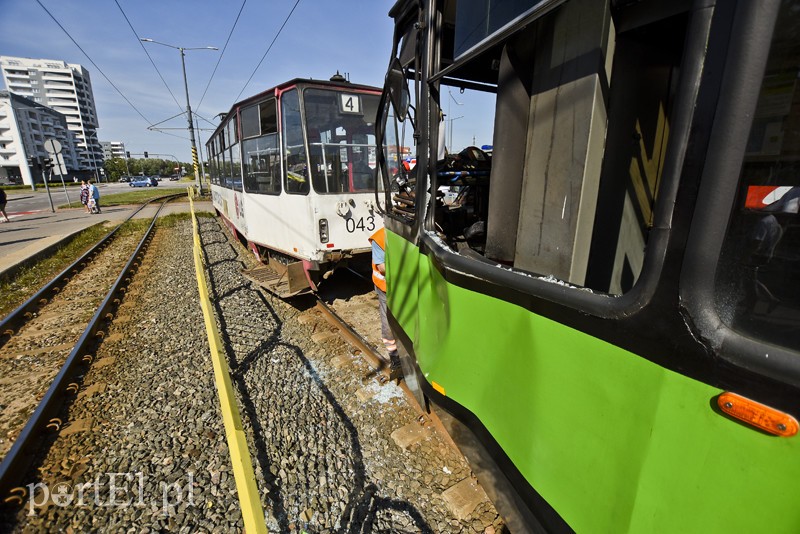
(341,140)
(757,289)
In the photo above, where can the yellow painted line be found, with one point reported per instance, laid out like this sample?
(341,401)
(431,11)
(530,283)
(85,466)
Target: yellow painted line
(243,474)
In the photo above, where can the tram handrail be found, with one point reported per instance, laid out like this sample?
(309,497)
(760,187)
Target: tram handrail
(15,463)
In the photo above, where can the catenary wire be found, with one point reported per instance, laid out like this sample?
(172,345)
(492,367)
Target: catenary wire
(139,40)
(235,22)
(267,52)
(93,63)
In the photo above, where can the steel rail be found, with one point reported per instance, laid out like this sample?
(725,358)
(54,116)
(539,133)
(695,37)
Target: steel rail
(374,360)
(17,318)
(16,463)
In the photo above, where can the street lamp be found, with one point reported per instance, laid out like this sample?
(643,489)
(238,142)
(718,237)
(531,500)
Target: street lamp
(450,130)
(188,107)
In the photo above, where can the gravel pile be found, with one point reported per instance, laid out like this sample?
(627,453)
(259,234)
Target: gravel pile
(333,451)
(155,457)
(31,359)
(322,435)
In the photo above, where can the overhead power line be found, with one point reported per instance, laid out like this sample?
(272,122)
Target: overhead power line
(235,22)
(139,40)
(267,52)
(93,63)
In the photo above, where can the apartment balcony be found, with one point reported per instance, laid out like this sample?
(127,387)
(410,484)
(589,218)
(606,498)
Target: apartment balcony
(57,76)
(57,86)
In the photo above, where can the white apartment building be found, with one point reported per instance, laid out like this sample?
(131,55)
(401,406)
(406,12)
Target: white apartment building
(113,149)
(66,88)
(24,127)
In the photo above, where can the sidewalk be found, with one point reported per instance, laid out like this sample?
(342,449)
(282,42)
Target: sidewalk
(34,234)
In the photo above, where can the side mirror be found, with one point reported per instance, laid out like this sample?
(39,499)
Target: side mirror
(398,90)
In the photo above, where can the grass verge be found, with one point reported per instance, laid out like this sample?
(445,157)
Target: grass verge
(27,281)
(136,196)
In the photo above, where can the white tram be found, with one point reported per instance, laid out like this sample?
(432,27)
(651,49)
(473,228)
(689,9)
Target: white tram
(293,174)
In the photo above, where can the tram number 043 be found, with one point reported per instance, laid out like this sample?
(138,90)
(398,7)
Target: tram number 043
(361,223)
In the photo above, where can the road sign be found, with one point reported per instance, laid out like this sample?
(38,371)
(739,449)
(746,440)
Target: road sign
(52,146)
(60,166)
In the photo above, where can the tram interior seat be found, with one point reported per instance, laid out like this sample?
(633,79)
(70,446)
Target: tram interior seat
(463,219)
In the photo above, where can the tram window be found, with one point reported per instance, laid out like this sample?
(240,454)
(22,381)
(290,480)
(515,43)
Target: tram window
(295,164)
(269,117)
(572,187)
(232,132)
(756,284)
(261,165)
(236,168)
(224,178)
(251,126)
(212,167)
(215,170)
(210,152)
(396,153)
(341,140)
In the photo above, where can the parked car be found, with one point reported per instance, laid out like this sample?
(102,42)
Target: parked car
(125,179)
(144,181)
(174,178)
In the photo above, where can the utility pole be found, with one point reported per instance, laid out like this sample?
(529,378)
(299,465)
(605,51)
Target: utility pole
(188,106)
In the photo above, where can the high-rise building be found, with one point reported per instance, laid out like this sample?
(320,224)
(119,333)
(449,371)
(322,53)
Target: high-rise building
(25,126)
(66,88)
(113,149)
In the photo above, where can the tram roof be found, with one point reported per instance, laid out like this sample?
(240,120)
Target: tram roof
(307,82)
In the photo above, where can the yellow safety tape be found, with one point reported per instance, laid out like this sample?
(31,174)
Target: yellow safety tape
(252,512)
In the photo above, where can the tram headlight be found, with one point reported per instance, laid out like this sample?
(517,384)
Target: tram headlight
(323,230)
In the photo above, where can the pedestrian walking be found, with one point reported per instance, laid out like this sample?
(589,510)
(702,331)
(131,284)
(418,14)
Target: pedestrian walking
(3,201)
(85,196)
(94,194)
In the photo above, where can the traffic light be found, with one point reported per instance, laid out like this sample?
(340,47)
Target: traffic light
(128,155)
(145,153)
(48,163)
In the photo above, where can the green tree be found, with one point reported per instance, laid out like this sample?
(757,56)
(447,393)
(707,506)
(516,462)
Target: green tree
(114,167)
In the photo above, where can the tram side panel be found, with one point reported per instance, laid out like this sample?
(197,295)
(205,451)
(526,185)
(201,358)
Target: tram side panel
(586,411)
(223,201)
(282,223)
(321,229)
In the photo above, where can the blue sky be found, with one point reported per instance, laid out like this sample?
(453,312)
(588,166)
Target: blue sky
(321,37)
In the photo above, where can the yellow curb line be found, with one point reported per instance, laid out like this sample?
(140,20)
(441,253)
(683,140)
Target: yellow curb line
(252,513)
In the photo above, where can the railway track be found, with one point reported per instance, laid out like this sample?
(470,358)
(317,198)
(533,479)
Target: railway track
(332,451)
(49,341)
(371,355)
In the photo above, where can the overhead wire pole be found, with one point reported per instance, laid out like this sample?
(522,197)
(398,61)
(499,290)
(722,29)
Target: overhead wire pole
(188,105)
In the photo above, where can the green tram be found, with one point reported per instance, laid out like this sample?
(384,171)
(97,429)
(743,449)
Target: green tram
(605,310)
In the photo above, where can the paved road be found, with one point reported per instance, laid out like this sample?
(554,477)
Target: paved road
(24,202)
(34,226)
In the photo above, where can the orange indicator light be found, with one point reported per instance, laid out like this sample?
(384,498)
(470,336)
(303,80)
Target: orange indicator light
(758,415)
